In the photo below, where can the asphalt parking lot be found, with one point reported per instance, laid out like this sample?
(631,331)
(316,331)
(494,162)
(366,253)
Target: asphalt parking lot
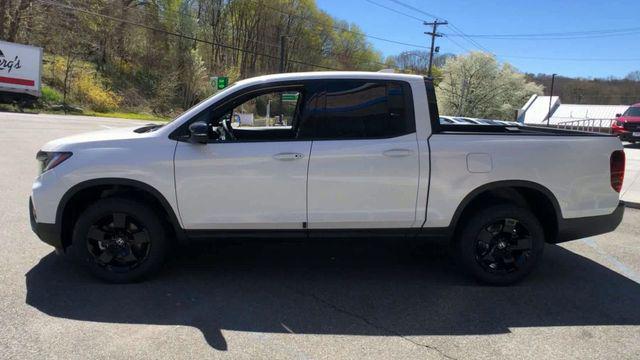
(322,300)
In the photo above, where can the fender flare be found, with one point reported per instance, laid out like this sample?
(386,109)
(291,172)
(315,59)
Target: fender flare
(173,219)
(505,184)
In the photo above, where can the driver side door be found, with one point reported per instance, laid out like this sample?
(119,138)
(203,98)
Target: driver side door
(253,178)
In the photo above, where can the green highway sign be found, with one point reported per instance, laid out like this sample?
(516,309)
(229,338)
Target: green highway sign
(222,82)
(290,97)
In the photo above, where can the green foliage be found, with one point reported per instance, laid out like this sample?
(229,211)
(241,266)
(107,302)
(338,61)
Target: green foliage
(118,65)
(476,85)
(91,91)
(87,87)
(50,95)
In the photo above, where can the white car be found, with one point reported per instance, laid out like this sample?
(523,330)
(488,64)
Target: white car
(451,120)
(365,155)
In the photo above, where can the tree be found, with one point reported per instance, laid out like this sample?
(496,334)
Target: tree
(158,54)
(633,76)
(476,85)
(416,61)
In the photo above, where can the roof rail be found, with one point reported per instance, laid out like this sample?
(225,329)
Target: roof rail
(390,71)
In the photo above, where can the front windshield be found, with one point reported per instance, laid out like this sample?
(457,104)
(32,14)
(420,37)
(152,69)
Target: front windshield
(632,111)
(224,92)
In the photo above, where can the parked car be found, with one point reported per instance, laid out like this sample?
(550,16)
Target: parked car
(627,125)
(469,120)
(365,156)
(499,122)
(451,120)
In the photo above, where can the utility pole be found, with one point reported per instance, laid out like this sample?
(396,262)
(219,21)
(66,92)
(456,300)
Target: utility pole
(434,34)
(553,79)
(283,59)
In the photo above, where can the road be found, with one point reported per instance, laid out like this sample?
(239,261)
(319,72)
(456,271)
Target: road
(319,300)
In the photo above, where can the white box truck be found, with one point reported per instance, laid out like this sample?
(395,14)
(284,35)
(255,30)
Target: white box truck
(20,69)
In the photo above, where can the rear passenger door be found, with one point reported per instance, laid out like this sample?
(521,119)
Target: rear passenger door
(363,169)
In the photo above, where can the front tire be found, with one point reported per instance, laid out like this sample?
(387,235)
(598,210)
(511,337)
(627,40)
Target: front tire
(119,240)
(501,244)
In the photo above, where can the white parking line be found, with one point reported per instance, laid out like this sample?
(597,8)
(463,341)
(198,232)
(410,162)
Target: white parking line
(617,264)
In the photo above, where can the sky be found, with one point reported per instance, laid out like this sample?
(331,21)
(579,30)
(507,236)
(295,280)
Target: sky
(592,57)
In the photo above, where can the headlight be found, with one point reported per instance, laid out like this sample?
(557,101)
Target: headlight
(620,123)
(50,159)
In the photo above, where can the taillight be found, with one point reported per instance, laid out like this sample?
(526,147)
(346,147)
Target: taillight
(617,169)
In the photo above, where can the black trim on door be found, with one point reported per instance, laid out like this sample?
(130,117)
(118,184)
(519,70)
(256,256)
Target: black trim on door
(216,108)
(306,87)
(427,233)
(434,115)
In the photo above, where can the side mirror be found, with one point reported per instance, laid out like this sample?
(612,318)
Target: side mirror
(199,132)
(618,115)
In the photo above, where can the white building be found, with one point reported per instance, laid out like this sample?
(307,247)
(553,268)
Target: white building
(536,109)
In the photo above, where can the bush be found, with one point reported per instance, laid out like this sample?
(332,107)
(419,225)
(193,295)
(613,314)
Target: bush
(50,95)
(91,92)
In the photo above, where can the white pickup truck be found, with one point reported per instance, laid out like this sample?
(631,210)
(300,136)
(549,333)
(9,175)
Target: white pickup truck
(335,154)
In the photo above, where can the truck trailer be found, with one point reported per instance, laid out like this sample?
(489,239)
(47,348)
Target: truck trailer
(20,70)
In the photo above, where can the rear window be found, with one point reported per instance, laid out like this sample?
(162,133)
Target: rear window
(632,111)
(360,110)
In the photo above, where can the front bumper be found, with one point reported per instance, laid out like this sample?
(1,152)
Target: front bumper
(48,233)
(578,228)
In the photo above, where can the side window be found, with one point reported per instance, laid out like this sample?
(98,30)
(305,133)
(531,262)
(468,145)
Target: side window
(270,110)
(270,116)
(363,110)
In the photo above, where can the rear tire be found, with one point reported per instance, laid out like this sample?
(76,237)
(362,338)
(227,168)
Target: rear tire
(500,245)
(119,240)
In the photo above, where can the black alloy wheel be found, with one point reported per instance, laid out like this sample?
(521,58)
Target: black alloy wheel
(503,246)
(119,242)
(500,244)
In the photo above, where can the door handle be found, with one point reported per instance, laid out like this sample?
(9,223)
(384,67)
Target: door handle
(397,152)
(288,156)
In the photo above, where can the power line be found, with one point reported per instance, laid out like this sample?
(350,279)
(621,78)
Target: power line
(184,36)
(570,59)
(341,28)
(553,38)
(457,32)
(261,3)
(276,46)
(394,10)
(606,32)
(470,40)
(458,44)
(454,28)
(413,8)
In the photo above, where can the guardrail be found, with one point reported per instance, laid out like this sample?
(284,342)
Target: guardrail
(588,125)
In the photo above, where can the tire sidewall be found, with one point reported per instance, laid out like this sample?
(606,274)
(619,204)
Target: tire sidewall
(143,214)
(466,242)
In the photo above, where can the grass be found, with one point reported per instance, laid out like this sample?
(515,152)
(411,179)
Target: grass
(127,115)
(120,115)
